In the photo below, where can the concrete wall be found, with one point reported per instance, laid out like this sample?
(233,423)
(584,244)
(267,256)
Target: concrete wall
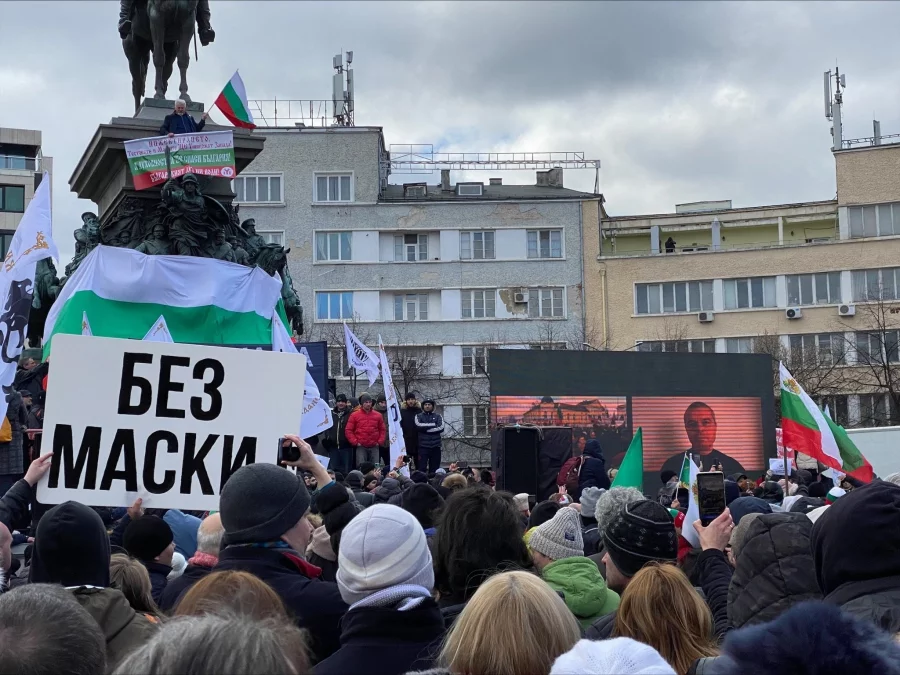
(868,175)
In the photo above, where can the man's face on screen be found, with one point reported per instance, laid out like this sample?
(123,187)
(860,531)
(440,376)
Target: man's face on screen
(700,425)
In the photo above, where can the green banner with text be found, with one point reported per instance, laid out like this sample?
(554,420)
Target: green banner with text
(202,154)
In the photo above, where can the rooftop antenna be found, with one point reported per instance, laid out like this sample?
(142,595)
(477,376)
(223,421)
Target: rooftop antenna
(833,104)
(341,94)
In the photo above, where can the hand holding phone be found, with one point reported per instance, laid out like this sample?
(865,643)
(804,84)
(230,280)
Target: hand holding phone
(711,495)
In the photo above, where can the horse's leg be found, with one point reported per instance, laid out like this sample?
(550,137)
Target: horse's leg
(171,53)
(184,59)
(157,37)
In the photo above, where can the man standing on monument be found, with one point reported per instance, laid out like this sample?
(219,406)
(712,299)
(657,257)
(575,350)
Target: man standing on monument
(207,34)
(179,122)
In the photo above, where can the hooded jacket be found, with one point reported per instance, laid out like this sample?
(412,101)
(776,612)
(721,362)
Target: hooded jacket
(583,588)
(71,548)
(856,551)
(593,469)
(774,569)
(366,429)
(390,487)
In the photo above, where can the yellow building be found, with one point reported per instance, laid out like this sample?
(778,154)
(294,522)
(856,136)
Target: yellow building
(712,278)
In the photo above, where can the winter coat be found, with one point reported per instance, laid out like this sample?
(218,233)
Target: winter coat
(584,590)
(177,587)
(180,124)
(593,469)
(336,436)
(410,431)
(774,569)
(602,628)
(32,380)
(159,577)
(11,455)
(14,504)
(184,528)
(315,604)
(715,574)
(385,440)
(124,629)
(389,488)
(384,641)
(321,554)
(590,534)
(366,429)
(430,426)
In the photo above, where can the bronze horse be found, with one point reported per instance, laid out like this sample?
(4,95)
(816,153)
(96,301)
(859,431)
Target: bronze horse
(163,28)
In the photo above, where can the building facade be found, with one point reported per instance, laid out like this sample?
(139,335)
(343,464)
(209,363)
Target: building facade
(814,284)
(443,272)
(22,165)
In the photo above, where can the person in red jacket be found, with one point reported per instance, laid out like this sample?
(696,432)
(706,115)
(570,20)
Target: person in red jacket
(365,430)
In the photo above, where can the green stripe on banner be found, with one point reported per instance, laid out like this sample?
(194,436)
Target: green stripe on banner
(117,319)
(792,408)
(234,101)
(851,457)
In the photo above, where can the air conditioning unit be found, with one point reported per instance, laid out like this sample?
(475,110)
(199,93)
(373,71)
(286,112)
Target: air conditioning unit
(520,298)
(847,310)
(706,317)
(793,313)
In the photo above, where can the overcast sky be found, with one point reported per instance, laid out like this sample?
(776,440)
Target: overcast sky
(681,102)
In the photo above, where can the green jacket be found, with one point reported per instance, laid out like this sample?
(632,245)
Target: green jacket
(585,591)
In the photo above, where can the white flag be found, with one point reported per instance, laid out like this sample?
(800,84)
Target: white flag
(33,241)
(159,332)
(693,512)
(85,325)
(316,416)
(395,432)
(359,356)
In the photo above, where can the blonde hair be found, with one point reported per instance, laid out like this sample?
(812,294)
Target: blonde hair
(515,623)
(455,481)
(660,608)
(131,577)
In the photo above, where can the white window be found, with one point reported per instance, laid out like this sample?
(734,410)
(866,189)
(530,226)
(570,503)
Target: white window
(545,302)
(337,362)
(411,307)
(272,236)
(333,246)
(474,361)
(877,220)
(823,348)
(337,305)
(475,420)
(334,187)
(877,348)
(410,247)
(873,410)
(257,189)
(752,292)
(877,284)
(478,304)
(476,245)
(470,189)
(680,346)
(545,243)
(814,289)
(548,346)
(674,297)
(739,345)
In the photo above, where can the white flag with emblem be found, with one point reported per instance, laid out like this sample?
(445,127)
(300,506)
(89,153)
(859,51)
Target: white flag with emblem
(85,325)
(395,432)
(33,241)
(159,332)
(316,416)
(360,357)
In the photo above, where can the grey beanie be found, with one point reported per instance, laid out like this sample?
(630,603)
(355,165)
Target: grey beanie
(560,537)
(588,501)
(383,546)
(260,502)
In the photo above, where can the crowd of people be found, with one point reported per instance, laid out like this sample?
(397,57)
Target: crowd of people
(305,570)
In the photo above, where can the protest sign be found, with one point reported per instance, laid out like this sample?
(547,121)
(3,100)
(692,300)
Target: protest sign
(202,154)
(163,421)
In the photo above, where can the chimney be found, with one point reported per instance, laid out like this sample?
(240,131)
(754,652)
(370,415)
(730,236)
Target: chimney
(555,177)
(445,179)
(542,178)
(496,181)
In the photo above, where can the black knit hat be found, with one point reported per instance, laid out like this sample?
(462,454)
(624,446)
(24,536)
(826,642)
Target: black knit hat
(337,511)
(260,502)
(418,477)
(147,537)
(642,531)
(422,501)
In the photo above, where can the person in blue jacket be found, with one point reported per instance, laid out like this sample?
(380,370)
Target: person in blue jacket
(179,122)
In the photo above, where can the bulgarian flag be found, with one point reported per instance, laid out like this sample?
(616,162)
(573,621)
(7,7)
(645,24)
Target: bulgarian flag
(233,103)
(806,429)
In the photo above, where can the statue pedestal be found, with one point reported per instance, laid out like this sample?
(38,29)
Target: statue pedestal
(102,173)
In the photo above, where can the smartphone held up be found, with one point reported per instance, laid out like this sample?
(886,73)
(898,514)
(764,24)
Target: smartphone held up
(711,495)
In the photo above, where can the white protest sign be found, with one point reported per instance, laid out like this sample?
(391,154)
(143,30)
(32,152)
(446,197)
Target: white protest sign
(162,421)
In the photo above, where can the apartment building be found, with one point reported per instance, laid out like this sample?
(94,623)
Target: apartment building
(443,271)
(817,279)
(22,165)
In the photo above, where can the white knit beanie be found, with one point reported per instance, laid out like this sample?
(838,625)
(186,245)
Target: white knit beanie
(622,656)
(381,547)
(521,501)
(560,537)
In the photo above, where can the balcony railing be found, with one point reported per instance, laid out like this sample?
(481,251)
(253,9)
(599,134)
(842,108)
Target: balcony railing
(20,163)
(705,247)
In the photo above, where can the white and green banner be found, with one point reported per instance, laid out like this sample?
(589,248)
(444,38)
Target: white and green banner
(202,153)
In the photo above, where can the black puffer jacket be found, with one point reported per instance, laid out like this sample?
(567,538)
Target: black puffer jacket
(774,571)
(593,469)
